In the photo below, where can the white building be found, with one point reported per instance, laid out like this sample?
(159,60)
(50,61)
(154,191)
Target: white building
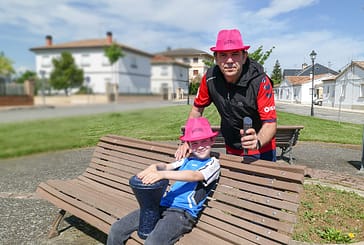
(349,87)
(193,57)
(297,89)
(131,73)
(169,77)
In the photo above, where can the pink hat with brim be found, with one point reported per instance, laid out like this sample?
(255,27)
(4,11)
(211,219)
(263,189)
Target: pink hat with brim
(229,40)
(198,129)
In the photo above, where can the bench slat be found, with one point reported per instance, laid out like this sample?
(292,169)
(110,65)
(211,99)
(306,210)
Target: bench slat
(266,200)
(253,217)
(226,223)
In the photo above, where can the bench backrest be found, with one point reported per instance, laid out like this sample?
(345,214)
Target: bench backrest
(252,203)
(286,135)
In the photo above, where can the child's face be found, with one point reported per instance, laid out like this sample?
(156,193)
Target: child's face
(201,148)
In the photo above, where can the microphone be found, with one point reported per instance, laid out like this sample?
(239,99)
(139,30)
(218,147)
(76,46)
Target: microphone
(247,123)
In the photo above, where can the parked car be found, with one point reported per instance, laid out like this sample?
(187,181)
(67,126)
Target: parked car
(318,102)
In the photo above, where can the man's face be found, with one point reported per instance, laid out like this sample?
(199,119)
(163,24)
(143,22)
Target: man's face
(231,64)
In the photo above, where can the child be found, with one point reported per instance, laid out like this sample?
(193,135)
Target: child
(194,177)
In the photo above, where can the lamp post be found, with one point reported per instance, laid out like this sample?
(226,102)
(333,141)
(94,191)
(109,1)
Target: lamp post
(42,73)
(313,57)
(188,92)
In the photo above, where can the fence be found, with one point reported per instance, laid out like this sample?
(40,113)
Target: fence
(14,94)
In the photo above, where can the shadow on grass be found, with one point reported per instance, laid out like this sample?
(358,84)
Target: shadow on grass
(85,228)
(355,164)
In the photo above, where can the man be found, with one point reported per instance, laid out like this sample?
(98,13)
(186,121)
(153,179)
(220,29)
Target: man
(238,87)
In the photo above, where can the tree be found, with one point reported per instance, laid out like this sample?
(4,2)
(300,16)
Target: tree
(27,75)
(65,74)
(277,73)
(209,63)
(113,53)
(259,56)
(6,65)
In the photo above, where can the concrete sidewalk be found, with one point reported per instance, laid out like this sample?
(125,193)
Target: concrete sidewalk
(26,219)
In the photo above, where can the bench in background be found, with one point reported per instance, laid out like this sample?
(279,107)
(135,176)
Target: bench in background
(286,139)
(253,203)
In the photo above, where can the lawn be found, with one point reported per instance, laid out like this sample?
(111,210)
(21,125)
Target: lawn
(162,124)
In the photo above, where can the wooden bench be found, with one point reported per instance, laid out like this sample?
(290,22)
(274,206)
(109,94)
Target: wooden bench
(286,138)
(253,203)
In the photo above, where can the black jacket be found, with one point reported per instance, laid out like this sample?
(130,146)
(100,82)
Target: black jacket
(235,101)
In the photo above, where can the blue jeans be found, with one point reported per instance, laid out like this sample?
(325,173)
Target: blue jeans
(172,225)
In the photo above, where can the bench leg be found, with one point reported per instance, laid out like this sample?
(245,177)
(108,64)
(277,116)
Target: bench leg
(286,150)
(54,229)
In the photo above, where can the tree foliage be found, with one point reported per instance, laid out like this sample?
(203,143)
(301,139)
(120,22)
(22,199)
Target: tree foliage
(276,73)
(27,75)
(6,65)
(209,63)
(260,56)
(195,84)
(65,74)
(113,53)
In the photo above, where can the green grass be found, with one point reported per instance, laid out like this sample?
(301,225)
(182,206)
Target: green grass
(162,124)
(328,215)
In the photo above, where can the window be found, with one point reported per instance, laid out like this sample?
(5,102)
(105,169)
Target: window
(164,71)
(342,91)
(85,60)
(361,93)
(133,62)
(195,60)
(186,60)
(195,72)
(105,61)
(46,61)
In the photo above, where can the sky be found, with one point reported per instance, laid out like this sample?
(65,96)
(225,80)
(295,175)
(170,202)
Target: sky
(293,27)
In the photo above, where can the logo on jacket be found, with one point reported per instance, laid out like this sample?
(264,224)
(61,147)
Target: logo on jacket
(269,108)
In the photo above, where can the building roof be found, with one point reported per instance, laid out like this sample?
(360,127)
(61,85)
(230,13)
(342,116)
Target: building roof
(319,69)
(184,52)
(359,63)
(160,59)
(88,43)
(291,72)
(307,70)
(297,80)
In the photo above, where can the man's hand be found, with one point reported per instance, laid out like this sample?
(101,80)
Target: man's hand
(182,151)
(249,139)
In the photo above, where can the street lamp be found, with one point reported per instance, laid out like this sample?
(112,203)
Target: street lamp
(42,73)
(313,57)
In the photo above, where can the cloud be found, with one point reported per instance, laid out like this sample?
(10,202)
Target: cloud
(278,7)
(292,50)
(152,25)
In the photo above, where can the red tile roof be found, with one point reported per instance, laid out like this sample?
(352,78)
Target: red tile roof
(89,43)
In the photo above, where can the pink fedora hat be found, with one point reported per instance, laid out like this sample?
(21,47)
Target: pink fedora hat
(229,40)
(197,129)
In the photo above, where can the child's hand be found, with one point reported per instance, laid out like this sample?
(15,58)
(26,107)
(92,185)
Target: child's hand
(151,168)
(152,177)
(150,174)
